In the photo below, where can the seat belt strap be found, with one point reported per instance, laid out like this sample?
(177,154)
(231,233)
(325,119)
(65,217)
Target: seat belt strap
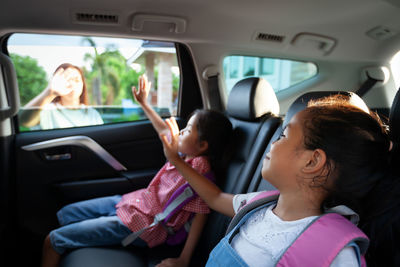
(174,204)
(367,85)
(213,92)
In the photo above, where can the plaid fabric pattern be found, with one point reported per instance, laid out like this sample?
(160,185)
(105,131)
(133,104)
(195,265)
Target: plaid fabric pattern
(137,209)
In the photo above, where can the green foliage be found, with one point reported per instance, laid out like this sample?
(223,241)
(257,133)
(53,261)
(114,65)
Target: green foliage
(128,79)
(132,117)
(116,78)
(31,77)
(175,83)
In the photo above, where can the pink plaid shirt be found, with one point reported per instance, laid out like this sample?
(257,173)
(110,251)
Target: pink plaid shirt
(138,208)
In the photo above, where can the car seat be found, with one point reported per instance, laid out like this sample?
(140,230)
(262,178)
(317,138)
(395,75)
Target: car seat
(253,110)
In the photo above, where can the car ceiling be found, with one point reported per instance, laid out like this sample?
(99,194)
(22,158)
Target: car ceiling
(226,23)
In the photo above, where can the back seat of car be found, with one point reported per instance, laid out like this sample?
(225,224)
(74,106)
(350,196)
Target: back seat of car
(253,110)
(254,135)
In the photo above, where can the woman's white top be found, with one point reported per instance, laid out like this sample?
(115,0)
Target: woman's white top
(54,116)
(264,237)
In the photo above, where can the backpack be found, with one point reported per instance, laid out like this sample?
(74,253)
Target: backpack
(320,242)
(183,195)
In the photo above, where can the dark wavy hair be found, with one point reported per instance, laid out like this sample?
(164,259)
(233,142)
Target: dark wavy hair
(216,129)
(357,146)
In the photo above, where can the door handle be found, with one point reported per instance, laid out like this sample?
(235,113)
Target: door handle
(64,156)
(81,141)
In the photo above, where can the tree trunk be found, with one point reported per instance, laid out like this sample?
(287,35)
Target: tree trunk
(97,91)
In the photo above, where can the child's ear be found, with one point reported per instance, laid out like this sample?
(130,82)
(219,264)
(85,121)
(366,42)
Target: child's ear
(203,145)
(316,161)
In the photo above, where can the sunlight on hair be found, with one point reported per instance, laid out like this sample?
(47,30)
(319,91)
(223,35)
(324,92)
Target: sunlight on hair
(339,99)
(358,102)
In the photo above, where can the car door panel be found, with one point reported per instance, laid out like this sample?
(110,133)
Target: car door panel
(44,186)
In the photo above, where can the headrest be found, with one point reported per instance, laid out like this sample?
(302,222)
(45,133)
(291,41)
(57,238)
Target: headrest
(394,118)
(251,98)
(301,102)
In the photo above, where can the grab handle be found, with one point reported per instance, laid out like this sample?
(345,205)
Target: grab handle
(140,19)
(11,87)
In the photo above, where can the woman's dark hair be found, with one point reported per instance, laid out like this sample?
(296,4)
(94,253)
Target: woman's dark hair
(357,146)
(83,99)
(216,129)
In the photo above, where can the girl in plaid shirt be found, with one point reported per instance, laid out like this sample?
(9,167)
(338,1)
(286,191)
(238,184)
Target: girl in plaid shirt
(108,220)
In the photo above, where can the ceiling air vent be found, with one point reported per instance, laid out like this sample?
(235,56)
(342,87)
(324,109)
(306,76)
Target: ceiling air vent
(269,37)
(95,18)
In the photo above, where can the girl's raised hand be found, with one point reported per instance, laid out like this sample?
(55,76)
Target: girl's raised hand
(141,94)
(170,143)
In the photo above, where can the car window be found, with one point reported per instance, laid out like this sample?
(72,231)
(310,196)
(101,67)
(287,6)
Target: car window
(280,73)
(71,81)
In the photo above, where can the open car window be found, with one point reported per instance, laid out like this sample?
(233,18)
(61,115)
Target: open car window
(109,66)
(280,73)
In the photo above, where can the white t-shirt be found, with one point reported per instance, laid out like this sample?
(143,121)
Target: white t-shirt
(55,116)
(264,237)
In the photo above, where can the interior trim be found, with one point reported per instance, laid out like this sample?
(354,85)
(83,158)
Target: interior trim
(82,141)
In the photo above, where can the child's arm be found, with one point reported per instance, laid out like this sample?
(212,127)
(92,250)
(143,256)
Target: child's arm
(207,190)
(141,97)
(194,234)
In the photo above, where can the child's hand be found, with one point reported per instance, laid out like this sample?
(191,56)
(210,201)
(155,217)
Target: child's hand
(175,262)
(141,94)
(170,143)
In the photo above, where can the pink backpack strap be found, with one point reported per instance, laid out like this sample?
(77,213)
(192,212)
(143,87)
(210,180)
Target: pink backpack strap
(264,194)
(311,248)
(209,175)
(262,198)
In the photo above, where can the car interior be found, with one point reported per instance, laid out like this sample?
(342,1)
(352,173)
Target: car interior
(257,62)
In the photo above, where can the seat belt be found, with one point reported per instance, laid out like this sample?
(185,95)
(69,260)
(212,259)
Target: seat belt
(367,85)
(177,201)
(213,92)
(183,195)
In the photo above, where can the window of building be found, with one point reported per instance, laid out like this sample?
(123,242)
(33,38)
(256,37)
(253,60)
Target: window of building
(280,73)
(266,66)
(233,65)
(249,65)
(109,67)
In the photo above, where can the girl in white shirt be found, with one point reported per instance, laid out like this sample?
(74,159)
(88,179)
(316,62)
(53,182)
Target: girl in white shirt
(327,155)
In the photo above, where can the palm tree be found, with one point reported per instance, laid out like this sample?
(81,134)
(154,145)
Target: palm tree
(103,67)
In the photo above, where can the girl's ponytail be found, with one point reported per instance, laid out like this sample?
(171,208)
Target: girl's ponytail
(215,128)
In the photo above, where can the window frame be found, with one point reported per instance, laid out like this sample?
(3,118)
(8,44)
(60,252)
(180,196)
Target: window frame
(184,63)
